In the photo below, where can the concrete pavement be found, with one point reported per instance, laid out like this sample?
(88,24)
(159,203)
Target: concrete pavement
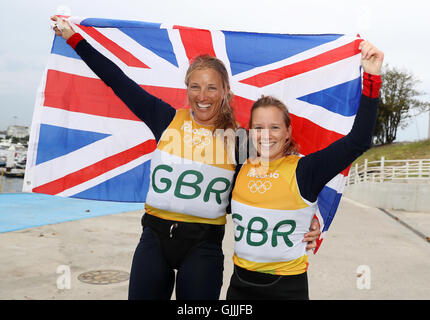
(367,239)
(366,255)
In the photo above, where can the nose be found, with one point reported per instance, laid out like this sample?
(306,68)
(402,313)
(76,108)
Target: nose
(265,135)
(202,95)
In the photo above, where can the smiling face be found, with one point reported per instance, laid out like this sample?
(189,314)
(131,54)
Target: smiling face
(270,133)
(205,95)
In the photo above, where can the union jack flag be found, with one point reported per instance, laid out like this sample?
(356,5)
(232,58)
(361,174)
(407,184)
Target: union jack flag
(85,143)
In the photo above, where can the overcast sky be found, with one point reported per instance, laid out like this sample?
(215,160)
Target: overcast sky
(399,28)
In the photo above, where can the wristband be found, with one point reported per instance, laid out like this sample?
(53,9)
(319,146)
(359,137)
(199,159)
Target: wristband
(74,40)
(371,85)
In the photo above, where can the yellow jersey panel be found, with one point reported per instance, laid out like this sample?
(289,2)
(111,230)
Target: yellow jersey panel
(271,218)
(185,183)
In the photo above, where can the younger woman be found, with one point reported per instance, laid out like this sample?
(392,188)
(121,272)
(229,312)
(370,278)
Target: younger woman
(273,203)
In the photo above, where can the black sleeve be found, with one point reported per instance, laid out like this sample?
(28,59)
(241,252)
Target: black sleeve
(156,114)
(316,169)
(241,155)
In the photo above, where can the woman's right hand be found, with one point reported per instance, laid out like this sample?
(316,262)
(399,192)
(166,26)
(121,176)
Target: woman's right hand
(62,28)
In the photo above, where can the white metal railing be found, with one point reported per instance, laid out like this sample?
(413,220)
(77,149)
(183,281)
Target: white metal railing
(417,170)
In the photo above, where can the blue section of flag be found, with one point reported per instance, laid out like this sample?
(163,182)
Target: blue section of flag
(156,40)
(113,23)
(249,50)
(58,141)
(61,47)
(130,186)
(342,99)
(328,201)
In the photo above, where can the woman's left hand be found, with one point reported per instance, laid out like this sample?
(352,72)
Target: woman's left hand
(371,58)
(313,234)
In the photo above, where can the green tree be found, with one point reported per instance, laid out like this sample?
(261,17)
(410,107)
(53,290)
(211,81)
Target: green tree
(398,102)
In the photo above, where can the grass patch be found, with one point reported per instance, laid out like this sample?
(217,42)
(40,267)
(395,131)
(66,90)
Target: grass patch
(398,151)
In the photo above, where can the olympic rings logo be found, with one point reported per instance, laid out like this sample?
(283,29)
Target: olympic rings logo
(197,140)
(259,186)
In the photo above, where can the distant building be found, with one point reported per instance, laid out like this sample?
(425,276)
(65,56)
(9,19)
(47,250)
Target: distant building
(18,131)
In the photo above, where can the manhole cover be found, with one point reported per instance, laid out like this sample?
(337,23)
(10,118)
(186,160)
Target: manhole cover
(103,276)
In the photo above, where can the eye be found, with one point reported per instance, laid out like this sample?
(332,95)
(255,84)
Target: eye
(213,88)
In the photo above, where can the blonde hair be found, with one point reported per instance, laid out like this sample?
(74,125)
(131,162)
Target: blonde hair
(291,146)
(225,118)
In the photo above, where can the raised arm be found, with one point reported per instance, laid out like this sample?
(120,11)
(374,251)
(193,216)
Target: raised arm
(156,114)
(318,168)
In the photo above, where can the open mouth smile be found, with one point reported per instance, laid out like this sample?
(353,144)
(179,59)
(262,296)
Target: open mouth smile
(267,144)
(203,106)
